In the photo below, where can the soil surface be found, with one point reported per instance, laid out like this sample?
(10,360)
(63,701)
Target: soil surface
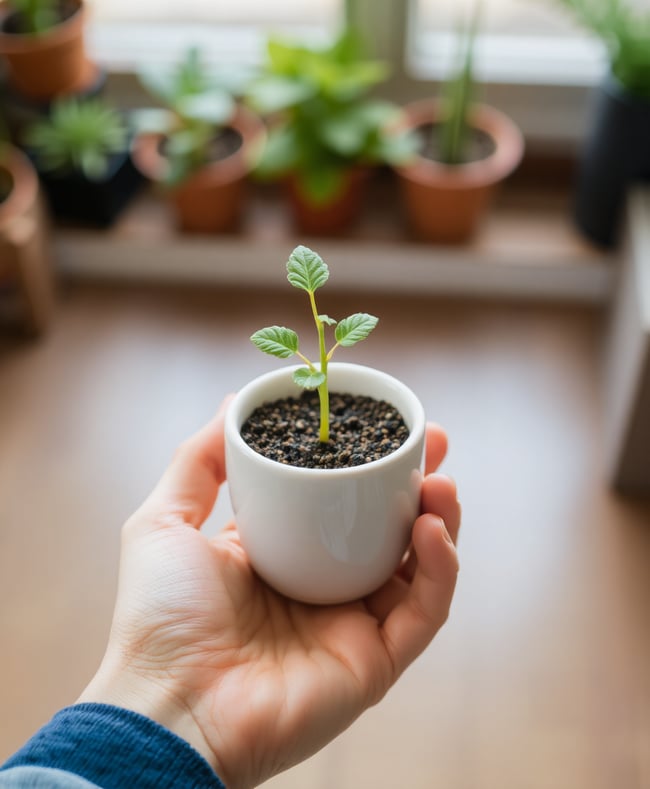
(362,429)
(479,144)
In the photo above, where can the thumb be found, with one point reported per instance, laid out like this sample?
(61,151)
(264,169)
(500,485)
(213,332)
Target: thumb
(188,489)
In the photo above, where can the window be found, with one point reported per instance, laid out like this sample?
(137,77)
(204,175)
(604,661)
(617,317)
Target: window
(535,64)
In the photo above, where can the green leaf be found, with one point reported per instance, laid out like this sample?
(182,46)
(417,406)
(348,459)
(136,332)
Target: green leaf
(276,341)
(306,269)
(355,328)
(275,93)
(280,154)
(215,108)
(308,379)
(326,319)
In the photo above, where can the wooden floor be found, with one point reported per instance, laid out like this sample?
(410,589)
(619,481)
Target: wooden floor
(541,678)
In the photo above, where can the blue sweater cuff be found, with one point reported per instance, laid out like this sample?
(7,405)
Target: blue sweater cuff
(115,748)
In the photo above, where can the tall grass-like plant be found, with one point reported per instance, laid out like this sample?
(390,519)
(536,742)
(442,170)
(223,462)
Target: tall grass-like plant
(453,132)
(624,28)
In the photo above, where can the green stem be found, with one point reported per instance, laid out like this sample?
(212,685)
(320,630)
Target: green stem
(323,391)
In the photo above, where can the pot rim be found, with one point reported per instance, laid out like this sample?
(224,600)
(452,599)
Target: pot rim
(152,163)
(24,190)
(508,141)
(11,43)
(417,429)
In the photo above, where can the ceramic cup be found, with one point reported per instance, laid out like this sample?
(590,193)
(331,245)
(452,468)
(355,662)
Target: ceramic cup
(325,535)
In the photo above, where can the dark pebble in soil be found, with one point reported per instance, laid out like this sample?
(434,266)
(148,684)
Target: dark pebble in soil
(362,429)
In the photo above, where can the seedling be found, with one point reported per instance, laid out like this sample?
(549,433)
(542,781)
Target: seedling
(308,271)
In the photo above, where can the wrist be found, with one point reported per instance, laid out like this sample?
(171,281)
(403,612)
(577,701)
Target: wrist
(154,698)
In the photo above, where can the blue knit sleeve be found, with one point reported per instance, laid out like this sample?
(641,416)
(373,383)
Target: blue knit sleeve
(115,748)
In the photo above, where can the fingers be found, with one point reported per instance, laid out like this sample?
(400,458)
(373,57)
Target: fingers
(417,617)
(439,497)
(189,487)
(436,447)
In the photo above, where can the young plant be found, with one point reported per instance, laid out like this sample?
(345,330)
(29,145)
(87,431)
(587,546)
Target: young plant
(307,270)
(78,137)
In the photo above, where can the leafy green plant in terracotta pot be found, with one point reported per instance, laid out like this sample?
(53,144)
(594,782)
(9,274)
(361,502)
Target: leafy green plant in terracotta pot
(81,152)
(202,146)
(616,151)
(325,130)
(43,44)
(325,486)
(464,150)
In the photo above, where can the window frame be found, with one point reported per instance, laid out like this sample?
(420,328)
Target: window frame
(550,103)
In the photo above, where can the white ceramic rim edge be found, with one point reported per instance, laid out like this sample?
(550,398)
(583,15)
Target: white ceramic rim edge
(415,431)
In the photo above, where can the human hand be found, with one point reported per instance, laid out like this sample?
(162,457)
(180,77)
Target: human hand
(254,681)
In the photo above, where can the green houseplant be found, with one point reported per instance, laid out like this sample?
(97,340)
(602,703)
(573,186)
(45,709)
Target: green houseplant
(42,42)
(464,149)
(325,130)
(616,150)
(81,151)
(201,146)
(323,514)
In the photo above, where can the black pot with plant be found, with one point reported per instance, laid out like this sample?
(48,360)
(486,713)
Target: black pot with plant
(617,149)
(81,152)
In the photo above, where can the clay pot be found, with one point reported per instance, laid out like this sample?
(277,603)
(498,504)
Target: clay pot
(336,215)
(24,259)
(45,65)
(445,203)
(211,200)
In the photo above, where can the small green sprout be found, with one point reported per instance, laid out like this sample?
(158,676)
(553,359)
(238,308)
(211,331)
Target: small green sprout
(307,270)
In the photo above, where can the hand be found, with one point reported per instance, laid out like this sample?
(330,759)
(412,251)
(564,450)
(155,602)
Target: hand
(254,681)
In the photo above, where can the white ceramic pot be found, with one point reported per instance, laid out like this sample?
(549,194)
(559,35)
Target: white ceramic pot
(325,535)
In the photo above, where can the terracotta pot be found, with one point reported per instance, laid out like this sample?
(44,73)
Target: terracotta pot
(48,64)
(212,199)
(24,259)
(333,217)
(445,203)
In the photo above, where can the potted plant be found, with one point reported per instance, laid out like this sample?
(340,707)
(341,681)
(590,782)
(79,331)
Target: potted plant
(24,260)
(617,149)
(325,132)
(81,152)
(464,150)
(42,42)
(202,147)
(325,486)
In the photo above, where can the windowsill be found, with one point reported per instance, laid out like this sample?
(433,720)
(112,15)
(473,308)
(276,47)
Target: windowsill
(527,249)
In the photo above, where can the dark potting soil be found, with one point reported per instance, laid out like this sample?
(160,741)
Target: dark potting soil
(479,144)
(362,429)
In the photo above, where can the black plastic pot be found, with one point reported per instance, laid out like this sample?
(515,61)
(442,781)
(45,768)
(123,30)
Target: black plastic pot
(74,197)
(616,153)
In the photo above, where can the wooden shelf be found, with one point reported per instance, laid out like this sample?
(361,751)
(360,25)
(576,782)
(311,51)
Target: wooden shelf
(526,249)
